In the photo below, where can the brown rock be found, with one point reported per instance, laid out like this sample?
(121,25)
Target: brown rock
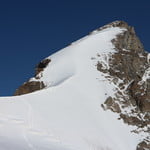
(29,87)
(111,104)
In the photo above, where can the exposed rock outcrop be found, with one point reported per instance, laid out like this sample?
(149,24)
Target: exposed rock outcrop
(31,86)
(129,69)
(144,145)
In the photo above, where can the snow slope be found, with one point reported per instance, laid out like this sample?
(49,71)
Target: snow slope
(67,115)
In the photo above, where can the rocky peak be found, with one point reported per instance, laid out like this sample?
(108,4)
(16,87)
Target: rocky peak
(129,70)
(120,24)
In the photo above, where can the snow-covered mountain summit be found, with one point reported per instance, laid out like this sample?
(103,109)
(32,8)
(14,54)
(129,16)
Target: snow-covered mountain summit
(95,96)
(63,63)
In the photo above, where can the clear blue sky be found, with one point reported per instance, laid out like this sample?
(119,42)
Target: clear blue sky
(32,30)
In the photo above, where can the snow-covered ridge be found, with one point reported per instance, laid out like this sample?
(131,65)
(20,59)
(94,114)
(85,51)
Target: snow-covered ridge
(74,59)
(67,115)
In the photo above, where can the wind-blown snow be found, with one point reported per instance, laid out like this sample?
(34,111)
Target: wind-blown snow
(67,115)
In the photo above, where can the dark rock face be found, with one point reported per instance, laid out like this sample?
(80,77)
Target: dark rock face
(31,86)
(129,63)
(40,67)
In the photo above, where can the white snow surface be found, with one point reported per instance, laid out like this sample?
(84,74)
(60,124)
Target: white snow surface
(67,115)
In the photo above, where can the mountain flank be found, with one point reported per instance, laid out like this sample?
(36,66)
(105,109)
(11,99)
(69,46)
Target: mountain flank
(128,69)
